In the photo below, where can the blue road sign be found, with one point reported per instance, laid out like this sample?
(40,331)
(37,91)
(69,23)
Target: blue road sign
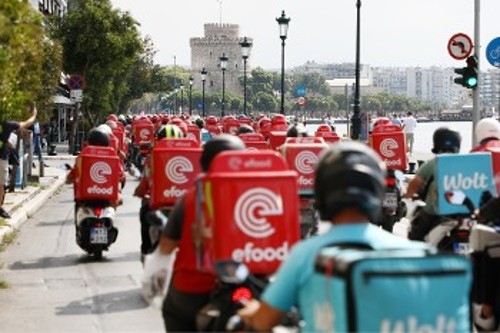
(493,52)
(300,91)
(200,105)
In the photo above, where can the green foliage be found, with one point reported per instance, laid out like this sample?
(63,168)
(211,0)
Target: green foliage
(103,45)
(29,61)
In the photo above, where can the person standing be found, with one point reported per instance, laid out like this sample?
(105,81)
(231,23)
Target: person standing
(409,125)
(6,128)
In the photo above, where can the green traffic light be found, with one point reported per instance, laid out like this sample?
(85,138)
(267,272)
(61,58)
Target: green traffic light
(471,82)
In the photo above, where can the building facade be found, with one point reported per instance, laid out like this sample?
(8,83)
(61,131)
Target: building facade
(219,40)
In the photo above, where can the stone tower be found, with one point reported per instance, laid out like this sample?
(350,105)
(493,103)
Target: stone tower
(219,39)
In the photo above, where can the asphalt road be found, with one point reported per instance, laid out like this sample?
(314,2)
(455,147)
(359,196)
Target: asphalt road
(55,287)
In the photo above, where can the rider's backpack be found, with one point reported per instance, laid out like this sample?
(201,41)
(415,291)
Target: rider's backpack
(407,290)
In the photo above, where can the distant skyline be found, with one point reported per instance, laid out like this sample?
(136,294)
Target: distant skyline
(394,33)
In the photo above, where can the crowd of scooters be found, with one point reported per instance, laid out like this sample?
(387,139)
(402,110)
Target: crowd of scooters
(225,202)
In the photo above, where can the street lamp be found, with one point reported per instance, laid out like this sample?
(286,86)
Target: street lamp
(191,80)
(356,118)
(223,66)
(283,23)
(203,79)
(181,87)
(245,51)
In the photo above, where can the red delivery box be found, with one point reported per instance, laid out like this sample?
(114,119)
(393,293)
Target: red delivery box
(250,210)
(143,133)
(194,133)
(390,143)
(254,141)
(98,174)
(175,163)
(276,139)
(302,157)
(119,133)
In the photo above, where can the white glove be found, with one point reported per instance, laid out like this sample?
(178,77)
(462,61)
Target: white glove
(156,277)
(485,323)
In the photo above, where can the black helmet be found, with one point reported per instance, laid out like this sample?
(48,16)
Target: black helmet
(349,174)
(296,130)
(446,141)
(200,123)
(244,128)
(218,144)
(98,137)
(169,131)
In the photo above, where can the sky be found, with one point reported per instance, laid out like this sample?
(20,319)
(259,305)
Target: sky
(394,33)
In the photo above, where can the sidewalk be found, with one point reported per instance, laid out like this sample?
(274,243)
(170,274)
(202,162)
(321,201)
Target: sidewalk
(23,203)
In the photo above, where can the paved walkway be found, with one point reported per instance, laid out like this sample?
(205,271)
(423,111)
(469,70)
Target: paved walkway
(24,202)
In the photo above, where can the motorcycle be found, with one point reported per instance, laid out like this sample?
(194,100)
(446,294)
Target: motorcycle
(309,220)
(393,207)
(152,224)
(236,286)
(95,230)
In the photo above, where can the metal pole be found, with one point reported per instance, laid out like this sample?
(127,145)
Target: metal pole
(347,107)
(222,114)
(203,100)
(175,85)
(190,99)
(245,86)
(356,119)
(282,108)
(182,100)
(476,107)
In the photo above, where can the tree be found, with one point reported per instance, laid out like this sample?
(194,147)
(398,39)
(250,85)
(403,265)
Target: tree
(103,45)
(29,61)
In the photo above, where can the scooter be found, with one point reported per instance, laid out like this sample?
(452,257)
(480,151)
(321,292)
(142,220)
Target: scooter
(95,230)
(236,286)
(393,207)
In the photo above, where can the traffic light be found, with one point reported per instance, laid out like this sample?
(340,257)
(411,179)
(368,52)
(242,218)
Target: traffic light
(468,75)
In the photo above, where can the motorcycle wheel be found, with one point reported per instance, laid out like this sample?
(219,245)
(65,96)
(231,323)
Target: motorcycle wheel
(97,254)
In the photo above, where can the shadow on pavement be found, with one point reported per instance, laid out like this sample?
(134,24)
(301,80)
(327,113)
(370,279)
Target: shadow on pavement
(72,260)
(120,301)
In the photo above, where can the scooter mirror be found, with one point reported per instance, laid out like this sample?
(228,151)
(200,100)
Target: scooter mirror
(455,197)
(233,272)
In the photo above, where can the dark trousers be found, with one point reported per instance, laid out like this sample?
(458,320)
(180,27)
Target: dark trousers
(179,310)
(146,246)
(421,225)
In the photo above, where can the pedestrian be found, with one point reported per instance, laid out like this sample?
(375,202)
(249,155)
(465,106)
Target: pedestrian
(396,121)
(6,129)
(409,125)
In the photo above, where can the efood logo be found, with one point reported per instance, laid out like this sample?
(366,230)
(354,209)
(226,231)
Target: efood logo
(99,171)
(305,162)
(387,147)
(145,133)
(176,169)
(253,207)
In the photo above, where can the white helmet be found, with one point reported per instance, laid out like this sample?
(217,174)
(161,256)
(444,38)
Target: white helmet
(487,128)
(105,128)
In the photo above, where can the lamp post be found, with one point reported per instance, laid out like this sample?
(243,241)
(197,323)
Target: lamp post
(191,80)
(223,66)
(245,51)
(181,87)
(203,79)
(283,23)
(356,118)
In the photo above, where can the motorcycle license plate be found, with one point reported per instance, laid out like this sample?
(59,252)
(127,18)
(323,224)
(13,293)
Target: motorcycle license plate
(390,200)
(98,235)
(461,248)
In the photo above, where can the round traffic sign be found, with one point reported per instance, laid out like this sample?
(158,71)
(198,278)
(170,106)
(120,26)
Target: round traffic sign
(460,46)
(76,82)
(493,52)
(301,101)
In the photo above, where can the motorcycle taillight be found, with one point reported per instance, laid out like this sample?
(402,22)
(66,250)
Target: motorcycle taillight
(390,182)
(98,211)
(241,295)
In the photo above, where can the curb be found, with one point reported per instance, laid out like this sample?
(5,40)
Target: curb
(30,206)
